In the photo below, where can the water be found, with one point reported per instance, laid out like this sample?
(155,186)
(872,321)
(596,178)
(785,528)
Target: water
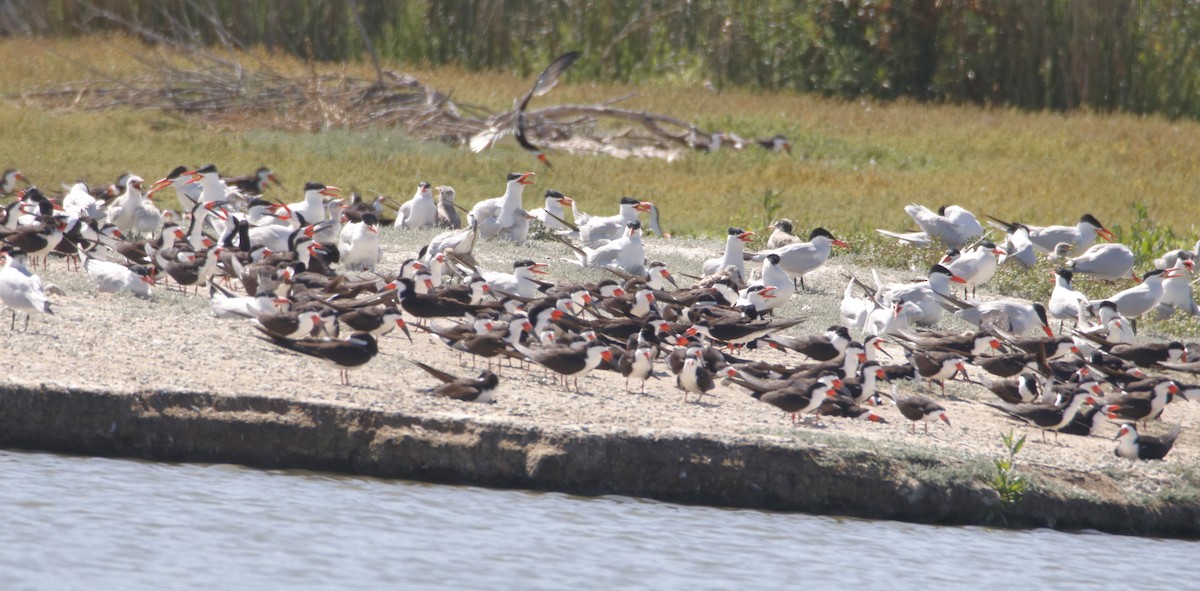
(94,523)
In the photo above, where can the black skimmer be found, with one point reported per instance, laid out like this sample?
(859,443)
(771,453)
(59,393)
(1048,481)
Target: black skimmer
(480,389)
(919,408)
(1132,446)
(637,362)
(376,320)
(546,81)
(972,344)
(447,211)
(1150,354)
(351,353)
(938,366)
(254,184)
(951,225)
(419,212)
(1142,405)
(498,213)
(20,290)
(1048,417)
(288,324)
(694,377)
(739,331)
(778,143)
(802,258)
(822,347)
(567,361)
(800,399)
(1023,389)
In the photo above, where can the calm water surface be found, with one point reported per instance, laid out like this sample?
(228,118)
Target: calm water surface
(93,523)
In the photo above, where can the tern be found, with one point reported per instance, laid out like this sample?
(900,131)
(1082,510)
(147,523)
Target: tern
(781,235)
(447,212)
(110,277)
(976,266)
(20,290)
(595,231)
(1065,302)
(552,214)
(8,181)
(1080,236)
(498,213)
(951,225)
(1142,298)
(420,211)
(519,122)
(1110,262)
(804,257)
(359,244)
(735,244)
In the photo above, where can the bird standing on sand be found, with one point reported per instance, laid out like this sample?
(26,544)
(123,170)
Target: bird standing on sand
(20,290)
(1132,446)
(352,353)
(418,212)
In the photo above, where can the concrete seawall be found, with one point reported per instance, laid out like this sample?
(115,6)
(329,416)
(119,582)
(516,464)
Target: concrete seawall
(732,472)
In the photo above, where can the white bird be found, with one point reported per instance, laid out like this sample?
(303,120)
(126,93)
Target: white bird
(804,257)
(977,265)
(1081,236)
(1017,247)
(594,231)
(924,295)
(890,321)
(20,290)
(735,245)
(1177,289)
(854,310)
(1017,318)
(418,212)
(518,232)
(498,213)
(1065,302)
(775,278)
(359,244)
(626,253)
(133,212)
(1111,325)
(552,214)
(1142,298)
(459,242)
(184,183)
(1106,261)
(520,282)
(110,277)
(312,208)
(79,202)
(952,225)
(226,305)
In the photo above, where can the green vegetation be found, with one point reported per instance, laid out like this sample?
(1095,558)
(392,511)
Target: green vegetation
(1008,483)
(1122,55)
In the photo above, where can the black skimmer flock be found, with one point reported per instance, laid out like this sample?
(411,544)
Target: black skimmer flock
(308,271)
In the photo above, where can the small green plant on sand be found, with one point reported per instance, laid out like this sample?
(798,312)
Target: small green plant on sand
(1009,483)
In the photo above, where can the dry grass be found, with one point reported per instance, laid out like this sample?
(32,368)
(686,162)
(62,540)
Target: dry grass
(856,164)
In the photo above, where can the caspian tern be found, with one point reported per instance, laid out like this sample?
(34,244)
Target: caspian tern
(359,244)
(110,277)
(1065,302)
(312,208)
(8,181)
(1177,289)
(951,225)
(180,179)
(802,258)
(79,202)
(735,246)
(977,265)
(520,282)
(1142,298)
(20,289)
(1081,236)
(924,295)
(626,253)
(498,213)
(594,231)
(420,211)
(1106,261)
(132,212)
(774,277)
(552,214)
(1017,318)
(1017,247)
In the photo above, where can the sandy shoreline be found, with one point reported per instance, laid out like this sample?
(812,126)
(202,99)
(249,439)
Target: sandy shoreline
(117,344)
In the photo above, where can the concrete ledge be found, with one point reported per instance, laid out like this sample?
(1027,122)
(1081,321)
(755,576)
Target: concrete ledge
(787,476)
